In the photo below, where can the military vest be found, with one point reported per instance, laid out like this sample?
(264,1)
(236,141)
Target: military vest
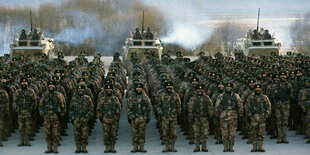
(51,103)
(111,108)
(140,108)
(2,103)
(81,108)
(258,107)
(200,108)
(169,107)
(283,93)
(24,101)
(225,106)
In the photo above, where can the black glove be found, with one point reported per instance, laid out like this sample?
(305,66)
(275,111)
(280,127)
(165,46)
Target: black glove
(72,122)
(129,121)
(148,120)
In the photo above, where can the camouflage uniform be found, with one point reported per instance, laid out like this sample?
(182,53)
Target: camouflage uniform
(52,105)
(304,103)
(80,111)
(139,114)
(228,106)
(4,109)
(283,91)
(108,111)
(258,108)
(24,102)
(169,107)
(200,109)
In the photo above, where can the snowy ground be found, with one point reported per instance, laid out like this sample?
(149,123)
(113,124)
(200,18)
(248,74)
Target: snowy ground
(296,146)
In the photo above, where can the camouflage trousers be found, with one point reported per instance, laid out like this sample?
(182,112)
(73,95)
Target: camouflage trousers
(24,123)
(2,130)
(138,126)
(169,125)
(201,129)
(257,128)
(51,127)
(307,123)
(109,130)
(217,128)
(81,128)
(282,114)
(228,128)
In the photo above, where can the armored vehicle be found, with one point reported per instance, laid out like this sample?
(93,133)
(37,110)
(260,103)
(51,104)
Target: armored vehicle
(139,42)
(257,43)
(32,43)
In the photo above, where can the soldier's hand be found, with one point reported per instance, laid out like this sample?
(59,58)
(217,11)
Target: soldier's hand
(148,120)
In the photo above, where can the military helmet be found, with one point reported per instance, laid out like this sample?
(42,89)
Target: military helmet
(195,79)
(81,86)
(168,84)
(200,86)
(56,77)
(4,76)
(258,86)
(51,82)
(108,86)
(229,84)
(139,85)
(81,79)
(282,74)
(23,79)
(85,73)
(186,59)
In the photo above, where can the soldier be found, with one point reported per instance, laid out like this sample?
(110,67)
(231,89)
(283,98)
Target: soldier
(137,34)
(52,105)
(4,110)
(24,102)
(200,109)
(149,35)
(23,38)
(266,35)
(258,109)
(228,106)
(108,111)
(81,110)
(139,114)
(304,103)
(283,91)
(169,107)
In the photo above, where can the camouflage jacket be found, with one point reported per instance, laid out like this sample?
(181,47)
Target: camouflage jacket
(200,106)
(258,105)
(81,107)
(24,100)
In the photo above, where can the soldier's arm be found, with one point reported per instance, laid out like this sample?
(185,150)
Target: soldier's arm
(303,100)
(99,106)
(268,105)
(15,99)
(6,100)
(178,103)
(191,107)
(210,106)
(149,107)
(291,91)
(62,101)
(218,102)
(247,105)
(91,105)
(240,104)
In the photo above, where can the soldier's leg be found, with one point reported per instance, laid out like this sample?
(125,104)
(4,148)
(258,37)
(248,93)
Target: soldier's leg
(135,134)
(142,128)
(273,124)
(307,122)
(21,128)
(204,134)
(253,135)
(106,136)
(77,135)
(29,129)
(165,129)
(1,129)
(48,135)
(55,135)
(197,134)
(232,127)
(84,134)
(224,131)
(113,130)
(279,124)
(260,133)
(218,131)
(173,134)
(297,120)
(190,131)
(286,110)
